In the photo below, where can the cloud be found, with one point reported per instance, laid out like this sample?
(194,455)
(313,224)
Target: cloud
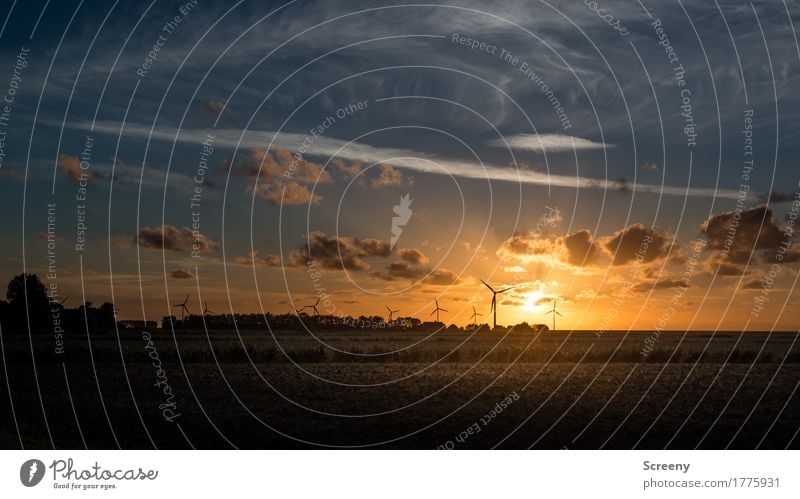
(277,165)
(212,107)
(778,197)
(547,142)
(413,256)
(390,177)
(375,247)
(70,166)
(522,246)
(346,169)
(716,263)
(254,259)
(400,270)
(404,270)
(752,284)
(121,241)
(792,255)
(332,252)
(167,237)
(402,158)
(637,242)
(287,193)
(441,277)
(650,167)
(280,176)
(181,274)
(15,175)
(579,247)
(273,261)
(736,235)
(658,284)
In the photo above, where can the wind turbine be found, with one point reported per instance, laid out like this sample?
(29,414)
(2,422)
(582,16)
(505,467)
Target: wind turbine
(391,312)
(475,315)
(62,302)
(494,300)
(183,307)
(554,312)
(313,307)
(437,309)
(206,311)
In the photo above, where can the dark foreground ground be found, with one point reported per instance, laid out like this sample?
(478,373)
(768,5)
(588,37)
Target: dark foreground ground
(402,390)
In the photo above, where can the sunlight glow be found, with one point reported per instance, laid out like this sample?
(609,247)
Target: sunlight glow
(533,300)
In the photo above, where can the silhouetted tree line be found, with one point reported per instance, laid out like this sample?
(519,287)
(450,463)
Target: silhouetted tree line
(28,307)
(303,321)
(290,322)
(40,314)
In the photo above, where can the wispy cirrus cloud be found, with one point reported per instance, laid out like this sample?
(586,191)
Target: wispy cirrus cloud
(547,143)
(399,158)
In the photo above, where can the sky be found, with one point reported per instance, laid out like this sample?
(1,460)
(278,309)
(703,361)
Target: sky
(633,163)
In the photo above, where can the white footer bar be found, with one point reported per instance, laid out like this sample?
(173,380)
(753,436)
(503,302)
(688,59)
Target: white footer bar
(400,474)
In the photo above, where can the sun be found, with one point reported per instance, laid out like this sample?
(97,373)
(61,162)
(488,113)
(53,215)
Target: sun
(533,300)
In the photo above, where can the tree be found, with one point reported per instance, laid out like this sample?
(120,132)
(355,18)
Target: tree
(106,316)
(16,291)
(27,295)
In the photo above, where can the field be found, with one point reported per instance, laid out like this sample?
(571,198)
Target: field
(393,389)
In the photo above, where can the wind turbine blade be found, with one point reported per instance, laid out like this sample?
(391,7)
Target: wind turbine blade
(548,312)
(442,310)
(559,314)
(433,312)
(484,283)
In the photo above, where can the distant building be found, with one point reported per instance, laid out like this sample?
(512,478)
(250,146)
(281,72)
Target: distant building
(136,324)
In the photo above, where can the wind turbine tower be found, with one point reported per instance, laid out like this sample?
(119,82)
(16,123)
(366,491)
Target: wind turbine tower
(437,309)
(391,313)
(494,301)
(183,307)
(313,307)
(474,316)
(554,312)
